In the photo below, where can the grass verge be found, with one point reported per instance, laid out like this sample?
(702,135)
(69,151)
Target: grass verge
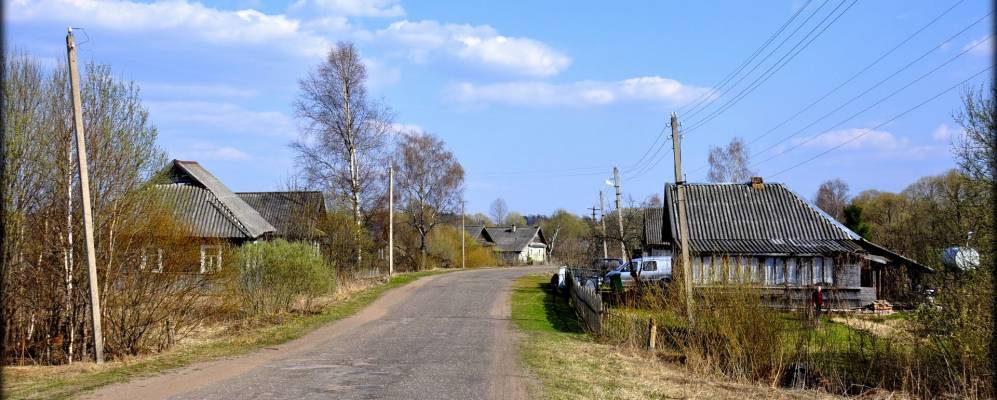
(63,382)
(569,364)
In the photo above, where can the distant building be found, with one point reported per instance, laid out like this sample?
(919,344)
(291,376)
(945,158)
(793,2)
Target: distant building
(767,236)
(513,244)
(216,217)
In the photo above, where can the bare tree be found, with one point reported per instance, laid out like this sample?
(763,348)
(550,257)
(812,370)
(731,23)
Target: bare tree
(430,181)
(498,211)
(976,148)
(344,132)
(832,197)
(730,163)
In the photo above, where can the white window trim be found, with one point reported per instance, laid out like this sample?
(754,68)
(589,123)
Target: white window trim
(213,253)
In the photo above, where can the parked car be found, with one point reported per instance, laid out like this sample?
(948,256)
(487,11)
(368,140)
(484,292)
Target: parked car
(647,269)
(604,265)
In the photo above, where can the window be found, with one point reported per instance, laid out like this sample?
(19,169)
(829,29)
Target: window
(757,274)
(866,276)
(159,261)
(769,271)
(780,271)
(650,266)
(707,269)
(143,260)
(211,258)
(828,271)
(792,272)
(697,269)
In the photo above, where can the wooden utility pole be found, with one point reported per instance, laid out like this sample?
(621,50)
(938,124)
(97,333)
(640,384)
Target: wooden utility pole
(619,212)
(81,157)
(391,220)
(462,232)
(602,220)
(683,220)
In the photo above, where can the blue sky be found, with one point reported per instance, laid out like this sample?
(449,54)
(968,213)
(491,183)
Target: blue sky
(539,100)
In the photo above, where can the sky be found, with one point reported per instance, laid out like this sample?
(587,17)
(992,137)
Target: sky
(540,100)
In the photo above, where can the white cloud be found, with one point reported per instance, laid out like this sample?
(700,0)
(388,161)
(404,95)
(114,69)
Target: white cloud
(944,133)
(650,89)
(481,45)
(354,8)
(983,46)
(406,129)
(179,17)
(163,89)
(855,138)
(205,151)
(206,117)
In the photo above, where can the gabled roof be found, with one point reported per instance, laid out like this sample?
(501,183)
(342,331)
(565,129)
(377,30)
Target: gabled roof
(514,238)
(739,219)
(207,206)
(295,214)
(477,232)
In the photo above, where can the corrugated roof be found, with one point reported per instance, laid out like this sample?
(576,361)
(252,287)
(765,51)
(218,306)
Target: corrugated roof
(201,212)
(653,225)
(737,219)
(254,224)
(475,231)
(295,214)
(507,239)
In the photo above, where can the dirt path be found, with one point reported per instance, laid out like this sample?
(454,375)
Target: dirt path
(444,336)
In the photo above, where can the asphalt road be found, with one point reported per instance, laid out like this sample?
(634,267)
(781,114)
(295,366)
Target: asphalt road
(441,337)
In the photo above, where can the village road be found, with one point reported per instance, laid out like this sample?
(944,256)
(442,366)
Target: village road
(441,337)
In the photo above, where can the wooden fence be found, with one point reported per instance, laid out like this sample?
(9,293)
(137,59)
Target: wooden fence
(586,300)
(607,324)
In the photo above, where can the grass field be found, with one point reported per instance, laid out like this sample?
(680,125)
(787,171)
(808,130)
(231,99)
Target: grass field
(569,364)
(59,382)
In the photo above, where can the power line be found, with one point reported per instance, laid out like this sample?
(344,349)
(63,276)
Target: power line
(774,69)
(863,70)
(880,101)
(695,103)
(765,77)
(905,112)
(860,72)
(695,110)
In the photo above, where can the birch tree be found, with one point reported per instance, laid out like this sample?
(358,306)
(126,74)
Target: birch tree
(729,163)
(430,181)
(344,132)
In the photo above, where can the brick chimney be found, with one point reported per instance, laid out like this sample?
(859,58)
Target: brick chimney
(757,182)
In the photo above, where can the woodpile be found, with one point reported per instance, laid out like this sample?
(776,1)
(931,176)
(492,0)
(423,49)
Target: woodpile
(882,306)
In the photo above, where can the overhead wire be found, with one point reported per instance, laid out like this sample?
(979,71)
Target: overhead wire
(894,118)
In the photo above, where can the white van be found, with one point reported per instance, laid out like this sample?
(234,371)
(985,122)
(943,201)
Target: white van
(647,269)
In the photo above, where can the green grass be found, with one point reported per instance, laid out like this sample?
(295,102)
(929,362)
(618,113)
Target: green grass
(67,385)
(569,364)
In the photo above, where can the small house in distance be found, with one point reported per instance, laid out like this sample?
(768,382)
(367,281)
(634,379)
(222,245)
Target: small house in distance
(767,236)
(513,244)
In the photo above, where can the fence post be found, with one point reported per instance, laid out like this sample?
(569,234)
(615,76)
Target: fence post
(652,333)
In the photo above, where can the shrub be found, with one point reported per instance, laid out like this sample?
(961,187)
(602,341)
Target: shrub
(444,247)
(272,276)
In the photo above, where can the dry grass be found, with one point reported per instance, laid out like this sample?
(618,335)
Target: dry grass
(571,365)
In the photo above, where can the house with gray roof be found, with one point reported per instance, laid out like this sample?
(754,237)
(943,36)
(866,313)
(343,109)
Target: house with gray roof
(517,244)
(767,236)
(216,217)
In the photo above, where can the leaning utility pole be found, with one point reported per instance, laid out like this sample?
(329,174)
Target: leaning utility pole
(602,220)
(81,157)
(462,231)
(391,220)
(683,220)
(619,212)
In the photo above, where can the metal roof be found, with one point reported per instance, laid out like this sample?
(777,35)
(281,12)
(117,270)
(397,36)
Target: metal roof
(201,212)
(254,224)
(509,238)
(740,219)
(654,224)
(476,232)
(295,214)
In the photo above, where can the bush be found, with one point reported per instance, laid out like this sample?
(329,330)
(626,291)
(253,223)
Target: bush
(272,276)
(444,249)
